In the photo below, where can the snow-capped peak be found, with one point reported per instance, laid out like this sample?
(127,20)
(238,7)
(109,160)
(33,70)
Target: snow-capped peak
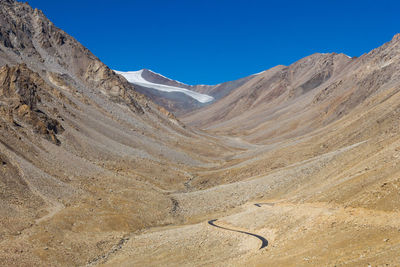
(136,77)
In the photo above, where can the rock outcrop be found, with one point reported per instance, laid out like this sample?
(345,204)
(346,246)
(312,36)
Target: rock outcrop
(21,94)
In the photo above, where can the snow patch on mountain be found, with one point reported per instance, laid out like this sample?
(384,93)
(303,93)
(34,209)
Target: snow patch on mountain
(258,73)
(135,77)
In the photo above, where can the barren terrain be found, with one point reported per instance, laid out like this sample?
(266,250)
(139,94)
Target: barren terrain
(296,166)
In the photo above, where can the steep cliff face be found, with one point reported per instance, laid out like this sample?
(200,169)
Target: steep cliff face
(21,94)
(28,36)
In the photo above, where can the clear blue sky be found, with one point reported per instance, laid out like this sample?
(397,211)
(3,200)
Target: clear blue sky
(211,41)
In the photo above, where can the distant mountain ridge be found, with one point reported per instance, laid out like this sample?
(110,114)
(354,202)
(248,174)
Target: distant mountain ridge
(176,96)
(314,91)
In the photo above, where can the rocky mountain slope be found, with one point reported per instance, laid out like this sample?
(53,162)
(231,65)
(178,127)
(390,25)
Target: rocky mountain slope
(80,148)
(307,95)
(92,172)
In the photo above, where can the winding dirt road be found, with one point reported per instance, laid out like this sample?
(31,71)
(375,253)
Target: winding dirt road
(259,204)
(263,240)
